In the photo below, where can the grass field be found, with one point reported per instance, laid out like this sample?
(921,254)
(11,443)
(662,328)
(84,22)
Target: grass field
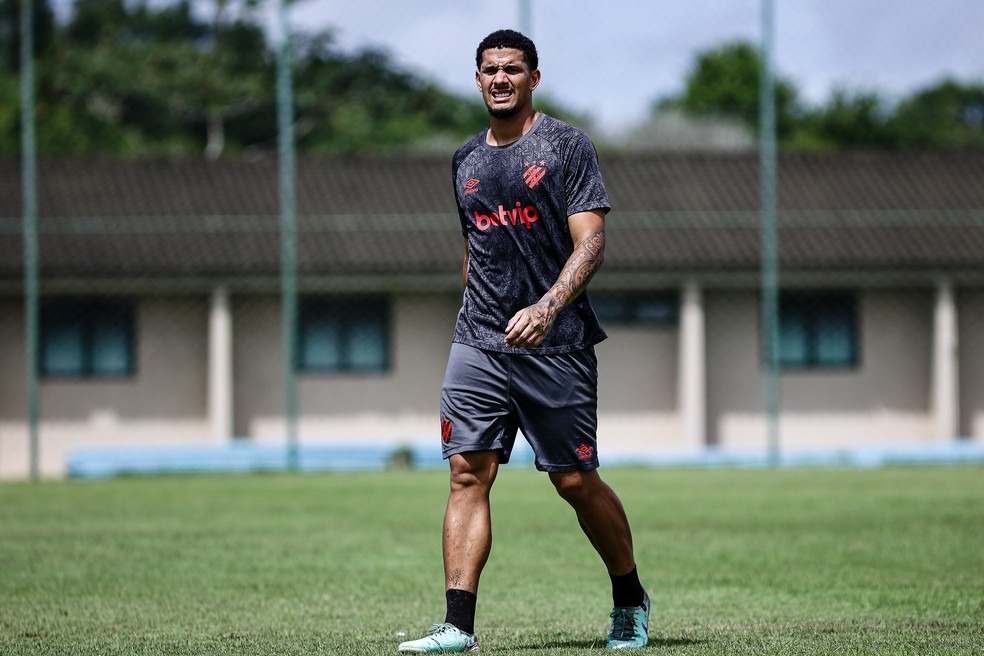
(886,561)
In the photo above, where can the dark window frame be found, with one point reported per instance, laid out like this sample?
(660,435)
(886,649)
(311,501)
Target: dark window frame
(350,315)
(88,317)
(637,308)
(807,311)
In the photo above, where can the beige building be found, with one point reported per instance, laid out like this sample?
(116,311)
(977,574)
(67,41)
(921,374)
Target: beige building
(161,321)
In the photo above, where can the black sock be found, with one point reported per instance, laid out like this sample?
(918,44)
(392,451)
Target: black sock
(627,590)
(461,609)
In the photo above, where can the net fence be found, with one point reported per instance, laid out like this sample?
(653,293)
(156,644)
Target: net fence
(167,338)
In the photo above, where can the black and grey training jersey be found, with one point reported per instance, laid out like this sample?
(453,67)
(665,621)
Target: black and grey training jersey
(513,203)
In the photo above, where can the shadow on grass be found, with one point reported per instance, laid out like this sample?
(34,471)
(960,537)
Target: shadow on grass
(600,644)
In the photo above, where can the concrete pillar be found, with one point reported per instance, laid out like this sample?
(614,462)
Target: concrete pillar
(692,381)
(220,409)
(946,381)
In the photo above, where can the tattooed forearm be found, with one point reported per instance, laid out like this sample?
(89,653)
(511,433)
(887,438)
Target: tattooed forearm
(530,326)
(584,262)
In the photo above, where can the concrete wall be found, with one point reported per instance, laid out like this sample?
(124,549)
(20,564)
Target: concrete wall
(396,407)
(886,398)
(13,436)
(637,390)
(637,369)
(164,402)
(971,322)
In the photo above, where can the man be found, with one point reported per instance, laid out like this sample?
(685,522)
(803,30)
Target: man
(532,206)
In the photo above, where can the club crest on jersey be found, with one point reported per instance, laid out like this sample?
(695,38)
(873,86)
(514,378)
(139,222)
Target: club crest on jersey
(533,173)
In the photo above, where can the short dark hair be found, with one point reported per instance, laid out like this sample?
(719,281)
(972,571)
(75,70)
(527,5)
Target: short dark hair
(508,39)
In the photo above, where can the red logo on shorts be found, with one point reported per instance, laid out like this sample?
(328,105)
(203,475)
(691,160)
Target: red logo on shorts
(584,452)
(446,427)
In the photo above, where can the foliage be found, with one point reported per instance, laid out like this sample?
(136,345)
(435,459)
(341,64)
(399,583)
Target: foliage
(150,79)
(848,120)
(948,115)
(139,79)
(725,81)
(364,103)
(9,114)
(10,42)
(882,561)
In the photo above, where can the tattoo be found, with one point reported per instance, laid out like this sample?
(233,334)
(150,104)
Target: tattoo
(530,326)
(539,315)
(583,263)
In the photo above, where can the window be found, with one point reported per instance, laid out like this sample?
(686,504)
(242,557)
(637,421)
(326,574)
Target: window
(343,333)
(636,309)
(818,330)
(83,338)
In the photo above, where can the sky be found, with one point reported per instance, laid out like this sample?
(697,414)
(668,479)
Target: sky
(612,60)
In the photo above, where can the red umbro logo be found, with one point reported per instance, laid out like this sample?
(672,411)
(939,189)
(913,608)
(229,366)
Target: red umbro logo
(471,186)
(584,452)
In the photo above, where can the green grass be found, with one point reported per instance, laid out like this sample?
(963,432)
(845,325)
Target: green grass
(737,562)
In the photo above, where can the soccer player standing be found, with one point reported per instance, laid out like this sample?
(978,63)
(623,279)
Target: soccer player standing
(532,206)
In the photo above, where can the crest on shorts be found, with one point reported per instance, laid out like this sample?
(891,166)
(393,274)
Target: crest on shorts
(446,427)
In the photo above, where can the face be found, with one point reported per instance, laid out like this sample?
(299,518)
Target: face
(506,81)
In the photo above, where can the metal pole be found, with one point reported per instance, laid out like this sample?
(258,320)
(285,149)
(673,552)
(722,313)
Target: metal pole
(770,237)
(526,17)
(288,233)
(29,167)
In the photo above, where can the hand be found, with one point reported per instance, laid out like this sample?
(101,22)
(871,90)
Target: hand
(531,325)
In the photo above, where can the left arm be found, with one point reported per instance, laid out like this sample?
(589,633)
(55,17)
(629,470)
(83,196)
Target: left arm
(531,325)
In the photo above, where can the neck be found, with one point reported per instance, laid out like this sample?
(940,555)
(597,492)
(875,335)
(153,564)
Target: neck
(504,131)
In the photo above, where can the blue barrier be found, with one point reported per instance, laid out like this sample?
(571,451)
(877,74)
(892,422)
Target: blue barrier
(958,452)
(243,456)
(240,457)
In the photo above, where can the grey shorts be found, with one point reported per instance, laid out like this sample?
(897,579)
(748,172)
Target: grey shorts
(488,396)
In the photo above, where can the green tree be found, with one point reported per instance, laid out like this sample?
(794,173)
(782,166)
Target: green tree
(725,81)
(366,103)
(10,41)
(235,81)
(947,115)
(9,114)
(143,78)
(43,34)
(858,119)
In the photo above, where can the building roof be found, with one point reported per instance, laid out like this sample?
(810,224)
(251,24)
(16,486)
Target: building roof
(672,213)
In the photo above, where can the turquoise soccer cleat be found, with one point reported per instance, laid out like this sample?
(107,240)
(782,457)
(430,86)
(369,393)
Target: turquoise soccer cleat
(630,626)
(441,639)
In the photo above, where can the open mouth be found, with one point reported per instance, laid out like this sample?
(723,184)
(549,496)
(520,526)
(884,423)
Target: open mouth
(501,94)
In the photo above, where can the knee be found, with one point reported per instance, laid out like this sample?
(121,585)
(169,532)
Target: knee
(469,472)
(571,486)
(462,479)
